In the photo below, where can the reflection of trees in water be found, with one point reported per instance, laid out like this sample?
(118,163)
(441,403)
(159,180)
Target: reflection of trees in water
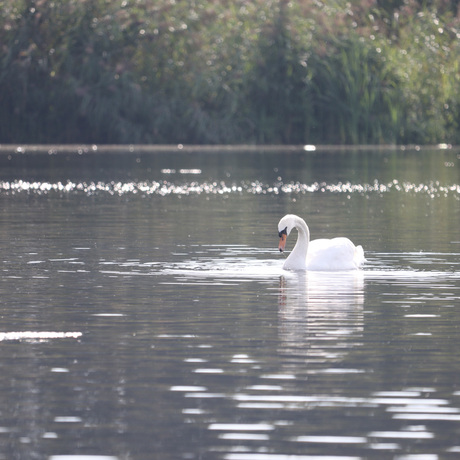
(320,314)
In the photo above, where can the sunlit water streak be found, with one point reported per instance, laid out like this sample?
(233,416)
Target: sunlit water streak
(82,457)
(38,335)
(431,189)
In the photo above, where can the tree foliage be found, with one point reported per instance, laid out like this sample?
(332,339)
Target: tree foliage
(209,71)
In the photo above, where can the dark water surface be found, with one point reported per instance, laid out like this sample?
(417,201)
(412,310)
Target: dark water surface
(145,313)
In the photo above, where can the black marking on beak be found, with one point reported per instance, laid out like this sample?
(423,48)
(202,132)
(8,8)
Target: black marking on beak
(283,236)
(282,232)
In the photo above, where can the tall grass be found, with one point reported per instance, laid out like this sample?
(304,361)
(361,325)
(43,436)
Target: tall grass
(355,94)
(207,71)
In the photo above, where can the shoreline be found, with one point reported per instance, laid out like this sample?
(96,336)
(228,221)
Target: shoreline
(94,149)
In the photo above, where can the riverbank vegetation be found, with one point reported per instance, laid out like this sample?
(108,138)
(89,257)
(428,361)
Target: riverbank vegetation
(214,71)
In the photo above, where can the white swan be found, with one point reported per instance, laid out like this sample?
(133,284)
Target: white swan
(322,254)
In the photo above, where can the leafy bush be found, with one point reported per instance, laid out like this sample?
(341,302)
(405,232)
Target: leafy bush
(209,71)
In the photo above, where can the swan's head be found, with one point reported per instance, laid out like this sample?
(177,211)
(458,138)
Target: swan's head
(285,225)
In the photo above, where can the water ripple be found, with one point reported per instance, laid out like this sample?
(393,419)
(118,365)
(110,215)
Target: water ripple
(38,335)
(432,189)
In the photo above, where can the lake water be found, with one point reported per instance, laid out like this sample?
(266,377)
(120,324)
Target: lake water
(145,313)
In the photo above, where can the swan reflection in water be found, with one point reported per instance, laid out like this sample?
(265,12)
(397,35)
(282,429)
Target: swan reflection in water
(321,314)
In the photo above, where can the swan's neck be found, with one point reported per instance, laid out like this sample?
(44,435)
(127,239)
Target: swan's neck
(298,257)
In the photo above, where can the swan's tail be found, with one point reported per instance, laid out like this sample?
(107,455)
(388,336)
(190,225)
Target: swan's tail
(359,258)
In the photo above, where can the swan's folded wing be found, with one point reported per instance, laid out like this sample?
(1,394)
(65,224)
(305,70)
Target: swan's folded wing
(334,254)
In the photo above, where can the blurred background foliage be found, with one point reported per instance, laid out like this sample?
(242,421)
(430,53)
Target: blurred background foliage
(230,72)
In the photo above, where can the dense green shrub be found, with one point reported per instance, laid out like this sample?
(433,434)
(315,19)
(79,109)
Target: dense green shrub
(210,71)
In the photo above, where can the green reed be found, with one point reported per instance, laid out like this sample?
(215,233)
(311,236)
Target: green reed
(206,71)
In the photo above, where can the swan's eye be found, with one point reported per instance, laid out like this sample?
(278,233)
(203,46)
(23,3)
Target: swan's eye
(282,232)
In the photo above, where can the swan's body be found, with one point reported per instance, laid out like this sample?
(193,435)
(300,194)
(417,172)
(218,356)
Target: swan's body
(322,254)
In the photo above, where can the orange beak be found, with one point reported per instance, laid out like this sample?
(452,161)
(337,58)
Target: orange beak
(282,242)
